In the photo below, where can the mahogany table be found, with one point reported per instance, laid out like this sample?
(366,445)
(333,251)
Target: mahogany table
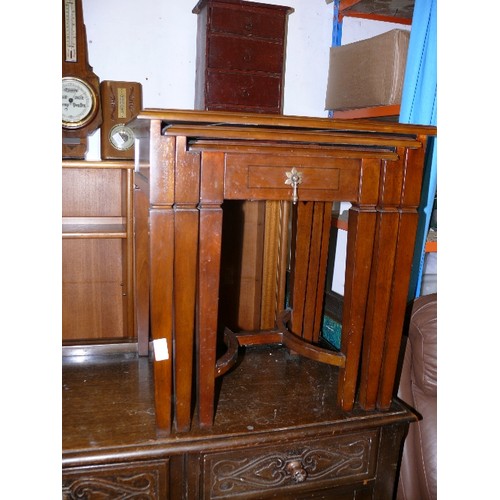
(189,162)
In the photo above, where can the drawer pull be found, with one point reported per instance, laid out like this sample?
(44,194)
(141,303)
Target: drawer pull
(295,469)
(294,178)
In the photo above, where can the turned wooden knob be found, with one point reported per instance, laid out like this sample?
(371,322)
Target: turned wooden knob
(295,469)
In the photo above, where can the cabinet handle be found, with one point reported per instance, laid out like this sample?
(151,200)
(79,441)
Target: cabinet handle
(295,469)
(294,178)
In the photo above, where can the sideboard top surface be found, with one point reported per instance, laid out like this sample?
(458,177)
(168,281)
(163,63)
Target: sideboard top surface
(108,405)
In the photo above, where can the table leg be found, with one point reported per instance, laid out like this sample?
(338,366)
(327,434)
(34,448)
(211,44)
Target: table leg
(399,301)
(361,231)
(187,178)
(185,265)
(161,295)
(409,200)
(378,307)
(210,244)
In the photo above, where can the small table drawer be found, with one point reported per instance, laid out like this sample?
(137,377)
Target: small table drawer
(243,89)
(247,22)
(257,177)
(292,467)
(233,53)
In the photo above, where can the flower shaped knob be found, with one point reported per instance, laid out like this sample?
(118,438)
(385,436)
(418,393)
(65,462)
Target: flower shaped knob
(294,178)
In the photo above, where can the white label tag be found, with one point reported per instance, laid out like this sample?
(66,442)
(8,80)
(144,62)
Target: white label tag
(160,349)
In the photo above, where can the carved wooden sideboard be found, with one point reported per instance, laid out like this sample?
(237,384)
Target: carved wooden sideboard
(191,161)
(277,434)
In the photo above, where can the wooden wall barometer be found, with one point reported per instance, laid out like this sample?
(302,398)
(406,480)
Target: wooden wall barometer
(120,102)
(81,109)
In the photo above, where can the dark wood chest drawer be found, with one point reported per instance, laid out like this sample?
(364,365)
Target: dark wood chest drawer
(240,55)
(291,469)
(248,20)
(234,91)
(233,53)
(147,480)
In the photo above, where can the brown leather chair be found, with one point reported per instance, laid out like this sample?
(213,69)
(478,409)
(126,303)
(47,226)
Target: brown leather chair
(418,388)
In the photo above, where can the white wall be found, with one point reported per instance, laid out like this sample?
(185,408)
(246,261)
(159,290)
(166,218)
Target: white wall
(154,42)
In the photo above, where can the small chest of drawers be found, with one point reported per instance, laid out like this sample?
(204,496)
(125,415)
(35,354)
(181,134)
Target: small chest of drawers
(240,55)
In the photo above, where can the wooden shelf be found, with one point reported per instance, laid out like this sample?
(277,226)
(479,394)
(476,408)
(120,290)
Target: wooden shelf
(370,112)
(431,243)
(99,164)
(340,221)
(105,227)
(94,231)
(392,11)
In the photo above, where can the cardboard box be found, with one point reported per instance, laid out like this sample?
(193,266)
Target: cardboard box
(368,73)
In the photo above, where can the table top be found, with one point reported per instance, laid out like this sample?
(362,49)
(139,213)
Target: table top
(272,121)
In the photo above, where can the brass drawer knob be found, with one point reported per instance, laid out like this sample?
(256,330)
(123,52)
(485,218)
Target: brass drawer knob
(295,469)
(294,178)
